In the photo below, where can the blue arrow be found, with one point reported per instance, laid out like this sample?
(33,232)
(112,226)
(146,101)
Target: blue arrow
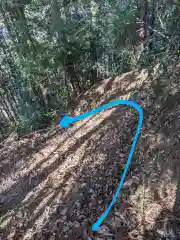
(67,121)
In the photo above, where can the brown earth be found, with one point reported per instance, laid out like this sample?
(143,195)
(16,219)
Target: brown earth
(56,185)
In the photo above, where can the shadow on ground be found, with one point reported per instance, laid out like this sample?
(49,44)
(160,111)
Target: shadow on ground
(63,192)
(94,175)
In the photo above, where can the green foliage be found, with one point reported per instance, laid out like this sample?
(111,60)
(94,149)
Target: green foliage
(56,49)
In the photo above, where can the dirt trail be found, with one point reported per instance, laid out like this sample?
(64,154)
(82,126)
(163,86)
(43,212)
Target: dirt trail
(56,187)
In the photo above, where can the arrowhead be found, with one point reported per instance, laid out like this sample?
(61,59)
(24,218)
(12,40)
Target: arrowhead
(65,122)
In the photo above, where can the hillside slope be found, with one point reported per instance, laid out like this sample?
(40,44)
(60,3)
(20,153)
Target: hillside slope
(57,184)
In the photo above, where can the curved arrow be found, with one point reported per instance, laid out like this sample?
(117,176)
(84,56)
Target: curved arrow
(65,123)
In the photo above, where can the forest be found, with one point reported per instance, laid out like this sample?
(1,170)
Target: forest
(66,57)
(54,51)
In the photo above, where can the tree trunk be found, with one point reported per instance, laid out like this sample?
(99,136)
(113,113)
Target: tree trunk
(143,29)
(152,24)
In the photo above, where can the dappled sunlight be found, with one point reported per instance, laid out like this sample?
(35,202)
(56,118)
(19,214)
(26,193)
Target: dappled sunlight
(67,171)
(68,183)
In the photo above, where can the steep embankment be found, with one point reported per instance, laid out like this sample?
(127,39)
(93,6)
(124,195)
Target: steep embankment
(57,185)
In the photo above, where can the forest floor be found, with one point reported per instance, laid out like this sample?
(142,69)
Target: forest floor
(56,185)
